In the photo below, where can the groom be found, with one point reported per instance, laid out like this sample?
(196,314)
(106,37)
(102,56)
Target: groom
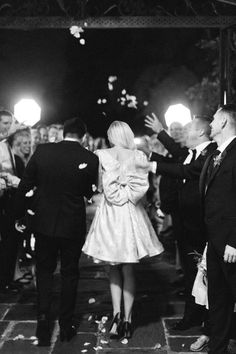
(63,175)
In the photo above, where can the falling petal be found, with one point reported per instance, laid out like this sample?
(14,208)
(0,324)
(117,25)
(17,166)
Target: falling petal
(74,29)
(123,92)
(76,35)
(124,341)
(145,103)
(30,193)
(33,338)
(104,100)
(84,350)
(110,86)
(30,212)
(118,99)
(122,99)
(85,24)
(122,103)
(98,322)
(99,101)
(112,78)
(80,29)
(86,344)
(90,318)
(103,330)
(35,342)
(91,300)
(183,345)
(82,41)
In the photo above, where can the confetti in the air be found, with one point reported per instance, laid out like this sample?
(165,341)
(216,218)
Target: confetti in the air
(123,92)
(82,41)
(112,78)
(145,103)
(91,300)
(104,101)
(110,86)
(76,31)
(86,344)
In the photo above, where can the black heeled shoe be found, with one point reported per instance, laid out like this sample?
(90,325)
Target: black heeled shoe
(67,334)
(127,330)
(115,327)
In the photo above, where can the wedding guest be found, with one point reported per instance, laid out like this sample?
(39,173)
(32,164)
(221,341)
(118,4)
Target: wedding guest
(193,236)
(52,133)
(218,190)
(43,131)
(63,175)
(35,139)
(21,145)
(121,233)
(11,170)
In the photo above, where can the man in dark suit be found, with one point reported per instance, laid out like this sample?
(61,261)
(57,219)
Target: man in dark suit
(218,190)
(63,175)
(193,236)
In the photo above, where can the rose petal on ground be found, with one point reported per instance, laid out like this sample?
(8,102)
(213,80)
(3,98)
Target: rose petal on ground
(86,344)
(104,319)
(157,346)
(97,348)
(104,341)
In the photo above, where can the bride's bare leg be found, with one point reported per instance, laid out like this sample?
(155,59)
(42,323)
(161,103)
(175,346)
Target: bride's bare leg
(116,288)
(128,290)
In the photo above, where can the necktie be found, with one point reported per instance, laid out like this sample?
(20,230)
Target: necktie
(211,165)
(194,152)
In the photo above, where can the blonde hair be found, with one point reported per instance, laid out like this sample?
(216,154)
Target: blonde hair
(120,134)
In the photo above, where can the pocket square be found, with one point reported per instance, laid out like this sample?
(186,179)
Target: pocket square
(82,166)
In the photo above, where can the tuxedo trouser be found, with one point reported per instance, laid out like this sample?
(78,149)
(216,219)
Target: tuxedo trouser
(47,250)
(221,296)
(8,248)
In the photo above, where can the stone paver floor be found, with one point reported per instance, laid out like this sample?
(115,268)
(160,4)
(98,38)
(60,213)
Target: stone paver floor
(156,308)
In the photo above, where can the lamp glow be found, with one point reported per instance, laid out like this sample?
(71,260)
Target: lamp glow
(27,112)
(177,113)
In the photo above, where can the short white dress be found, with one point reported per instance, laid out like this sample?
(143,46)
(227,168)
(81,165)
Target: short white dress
(121,231)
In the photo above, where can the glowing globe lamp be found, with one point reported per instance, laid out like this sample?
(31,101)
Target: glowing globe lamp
(27,112)
(177,113)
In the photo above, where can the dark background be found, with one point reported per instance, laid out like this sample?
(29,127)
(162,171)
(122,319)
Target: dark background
(67,78)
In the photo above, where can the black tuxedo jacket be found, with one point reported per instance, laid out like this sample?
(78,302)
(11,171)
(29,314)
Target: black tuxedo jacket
(188,191)
(63,174)
(169,186)
(220,200)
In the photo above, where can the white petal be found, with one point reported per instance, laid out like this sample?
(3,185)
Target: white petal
(110,86)
(104,319)
(104,341)
(86,344)
(82,41)
(104,101)
(124,341)
(76,35)
(91,300)
(123,92)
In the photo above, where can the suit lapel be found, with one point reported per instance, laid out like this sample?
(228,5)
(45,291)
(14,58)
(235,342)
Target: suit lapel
(223,155)
(202,182)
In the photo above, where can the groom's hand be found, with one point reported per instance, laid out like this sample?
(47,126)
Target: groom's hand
(153,123)
(230,254)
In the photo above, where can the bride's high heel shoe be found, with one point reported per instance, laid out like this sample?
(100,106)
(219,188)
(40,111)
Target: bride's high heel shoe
(115,326)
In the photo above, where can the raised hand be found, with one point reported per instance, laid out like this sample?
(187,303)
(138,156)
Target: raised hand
(153,123)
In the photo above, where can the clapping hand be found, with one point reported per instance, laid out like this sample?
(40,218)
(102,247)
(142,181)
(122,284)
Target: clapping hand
(153,123)
(230,254)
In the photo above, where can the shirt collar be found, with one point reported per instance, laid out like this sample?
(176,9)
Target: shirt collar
(199,148)
(223,146)
(72,139)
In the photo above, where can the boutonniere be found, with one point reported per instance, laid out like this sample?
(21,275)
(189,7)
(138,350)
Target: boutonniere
(204,152)
(217,160)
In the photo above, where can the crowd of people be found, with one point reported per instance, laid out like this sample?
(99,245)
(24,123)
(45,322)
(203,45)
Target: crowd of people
(186,174)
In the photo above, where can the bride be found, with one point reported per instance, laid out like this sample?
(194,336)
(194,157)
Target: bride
(121,233)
